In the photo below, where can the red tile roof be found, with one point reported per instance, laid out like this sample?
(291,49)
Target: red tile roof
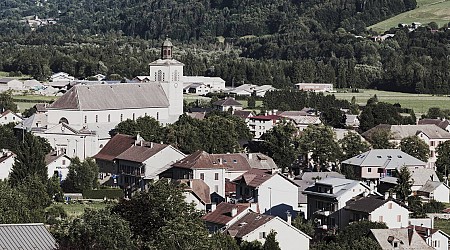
(141,153)
(222,214)
(117,145)
(254,177)
(267,117)
(247,224)
(198,187)
(202,160)
(227,102)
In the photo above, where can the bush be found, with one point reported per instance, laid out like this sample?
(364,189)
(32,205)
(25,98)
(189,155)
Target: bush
(102,193)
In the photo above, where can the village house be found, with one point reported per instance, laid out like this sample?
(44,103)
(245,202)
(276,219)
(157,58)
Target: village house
(225,214)
(143,162)
(7,159)
(352,121)
(244,115)
(435,238)
(8,116)
(254,226)
(399,238)
(374,164)
(260,124)
(307,179)
(377,209)
(442,123)
(327,199)
(197,88)
(227,104)
(274,192)
(434,190)
(431,134)
(301,119)
(57,164)
(217,169)
(419,177)
(315,87)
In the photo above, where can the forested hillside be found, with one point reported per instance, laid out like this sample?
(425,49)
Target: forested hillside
(278,42)
(193,19)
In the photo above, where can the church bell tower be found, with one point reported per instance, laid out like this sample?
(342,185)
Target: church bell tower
(166,50)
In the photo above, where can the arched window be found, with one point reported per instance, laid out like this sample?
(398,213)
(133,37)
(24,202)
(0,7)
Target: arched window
(160,76)
(121,117)
(155,76)
(96,118)
(63,120)
(133,116)
(164,77)
(157,116)
(109,118)
(85,119)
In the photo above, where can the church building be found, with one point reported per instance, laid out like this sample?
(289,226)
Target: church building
(78,123)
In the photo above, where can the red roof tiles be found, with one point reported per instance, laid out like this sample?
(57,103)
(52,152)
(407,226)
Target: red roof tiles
(222,214)
(117,145)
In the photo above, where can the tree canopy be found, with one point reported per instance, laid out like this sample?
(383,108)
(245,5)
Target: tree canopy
(416,147)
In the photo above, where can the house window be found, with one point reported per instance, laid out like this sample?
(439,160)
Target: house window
(85,119)
(64,162)
(432,143)
(96,118)
(109,118)
(399,218)
(134,116)
(369,170)
(262,235)
(121,117)
(14,118)
(389,205)
(216,176)
(202,176)
(160,76)
(380,219)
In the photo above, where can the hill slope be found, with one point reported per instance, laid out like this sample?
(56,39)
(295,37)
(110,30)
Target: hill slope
(427,11)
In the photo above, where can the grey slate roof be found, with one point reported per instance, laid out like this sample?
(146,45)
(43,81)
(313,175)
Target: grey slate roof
(387,158)
(228,102)
(408,238)
(420,176)
(114,96)
(367,204)
(26,236)
(339,187)
(430,186)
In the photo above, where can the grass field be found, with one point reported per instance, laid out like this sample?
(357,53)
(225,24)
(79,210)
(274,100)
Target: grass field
(442,224)
(427,11)
(76,209)
(420,103)
(31,100)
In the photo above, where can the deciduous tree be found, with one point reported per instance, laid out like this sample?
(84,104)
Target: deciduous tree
(416,147)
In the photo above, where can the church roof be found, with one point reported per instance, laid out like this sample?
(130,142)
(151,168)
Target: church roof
(117,96)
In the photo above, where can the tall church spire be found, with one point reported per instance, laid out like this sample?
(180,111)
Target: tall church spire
(166,49)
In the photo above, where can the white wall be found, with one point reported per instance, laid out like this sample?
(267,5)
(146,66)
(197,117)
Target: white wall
(61,165)
(76,117)
(8,118)
(277,191)
(211,181)
(5,167)
(190,198)
(390,215)
(441,193)
(259,127)
(438,241)
(287,236)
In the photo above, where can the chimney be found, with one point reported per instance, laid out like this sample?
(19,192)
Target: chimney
(289,217)
(213,206)
(254,207)
(386,195)
(234,211)
(142,143)
(220,160)
(365,193)
(250,156)
(151,144)
(394,196)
